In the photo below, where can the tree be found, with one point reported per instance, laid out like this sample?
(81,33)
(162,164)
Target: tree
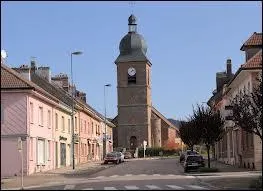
(247,110)
(189,134)
(210,125)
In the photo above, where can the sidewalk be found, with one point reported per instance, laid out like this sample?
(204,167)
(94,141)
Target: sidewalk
(54,176)
(226,167)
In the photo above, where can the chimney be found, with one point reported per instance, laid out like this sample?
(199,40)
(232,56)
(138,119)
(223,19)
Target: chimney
(25,71)
(62,81)
(44,72)
(33,66)
(228,67)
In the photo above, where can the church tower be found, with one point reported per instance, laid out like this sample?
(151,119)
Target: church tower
(134,90)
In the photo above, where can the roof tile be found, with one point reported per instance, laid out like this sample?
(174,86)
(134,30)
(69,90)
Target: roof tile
(254,62)
(254,40)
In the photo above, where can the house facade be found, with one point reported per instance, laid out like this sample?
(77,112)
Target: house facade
(237,146)
(39,110)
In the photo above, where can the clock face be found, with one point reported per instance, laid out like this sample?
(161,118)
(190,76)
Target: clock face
(131,71)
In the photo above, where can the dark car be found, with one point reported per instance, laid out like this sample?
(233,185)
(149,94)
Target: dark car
(127,155)
(193,162)
(185,154)
(114,157)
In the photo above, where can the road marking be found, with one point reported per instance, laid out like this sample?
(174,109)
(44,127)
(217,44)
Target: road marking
(100,177)
(128,175)
(170,175)
(114,176)
(175,187)
(110,188)
(88,189)
(152,187)
(142,174)
(131,187)
(156,175)
(197,187)
(69,187)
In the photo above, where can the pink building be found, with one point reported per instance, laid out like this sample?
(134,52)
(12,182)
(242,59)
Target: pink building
(25,112)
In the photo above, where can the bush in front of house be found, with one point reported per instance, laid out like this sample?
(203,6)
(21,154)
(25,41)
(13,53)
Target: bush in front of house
(206,169)
(256,183)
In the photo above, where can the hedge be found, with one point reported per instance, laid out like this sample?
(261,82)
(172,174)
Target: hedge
(155,151)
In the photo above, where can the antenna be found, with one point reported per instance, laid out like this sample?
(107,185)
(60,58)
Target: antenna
(131,3)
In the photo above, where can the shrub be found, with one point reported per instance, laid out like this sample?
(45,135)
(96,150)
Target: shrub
(206,169)
(155,151)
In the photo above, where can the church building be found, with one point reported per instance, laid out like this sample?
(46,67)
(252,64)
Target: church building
(137,119)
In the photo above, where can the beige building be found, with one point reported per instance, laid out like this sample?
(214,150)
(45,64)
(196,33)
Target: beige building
(137,119)
(237,146)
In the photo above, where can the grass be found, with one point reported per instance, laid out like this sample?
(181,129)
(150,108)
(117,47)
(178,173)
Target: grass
(256,183)
(206,169)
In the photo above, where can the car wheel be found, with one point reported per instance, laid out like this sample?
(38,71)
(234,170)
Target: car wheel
(185,170)
(105,162)
(117,162)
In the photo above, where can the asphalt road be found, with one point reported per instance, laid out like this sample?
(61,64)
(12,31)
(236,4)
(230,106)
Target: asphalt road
(160,174)
(154,174)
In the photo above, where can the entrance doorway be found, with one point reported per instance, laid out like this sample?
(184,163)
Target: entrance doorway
(62,154)
(133,143)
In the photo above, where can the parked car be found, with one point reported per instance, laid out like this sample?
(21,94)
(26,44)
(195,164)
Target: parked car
(127,155)
(114,157)
(193,162)
(186,153)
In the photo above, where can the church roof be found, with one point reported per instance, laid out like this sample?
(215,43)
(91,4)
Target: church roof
(132,46)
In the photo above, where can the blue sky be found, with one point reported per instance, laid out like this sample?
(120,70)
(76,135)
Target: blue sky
(188,42)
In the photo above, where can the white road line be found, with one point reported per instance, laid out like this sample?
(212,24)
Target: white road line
(131,187)
(142,175)
(87,189)
(171,175)
(128,175)
(152,187)
(156,175)
(69,187)
(110,188)
(175,187)
(114,176)
(100,177)
(196,187)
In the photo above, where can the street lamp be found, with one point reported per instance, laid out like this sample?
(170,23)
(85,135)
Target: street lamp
(104,140)
(72,111)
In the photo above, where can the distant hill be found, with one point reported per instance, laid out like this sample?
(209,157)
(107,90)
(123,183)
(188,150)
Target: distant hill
(177,123)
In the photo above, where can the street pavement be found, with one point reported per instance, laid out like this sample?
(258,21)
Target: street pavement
(151,173)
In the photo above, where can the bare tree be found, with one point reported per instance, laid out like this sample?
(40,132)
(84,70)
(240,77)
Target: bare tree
(247,110)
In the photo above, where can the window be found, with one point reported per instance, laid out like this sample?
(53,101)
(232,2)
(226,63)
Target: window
(31,148)
(31,112)
(85,128)
(76,128)
(132,79)
(92,130)
(40,151)
(40,116)
(48,150)
(49,119)
(63,123)
(68,125)
(56,119)
(81,127)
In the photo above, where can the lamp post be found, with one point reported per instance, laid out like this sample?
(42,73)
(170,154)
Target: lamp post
(72,111)
(105,128)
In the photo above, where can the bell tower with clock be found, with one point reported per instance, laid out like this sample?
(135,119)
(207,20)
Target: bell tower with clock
(134,90)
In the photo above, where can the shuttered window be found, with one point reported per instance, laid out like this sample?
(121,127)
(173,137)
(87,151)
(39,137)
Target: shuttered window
(40,151)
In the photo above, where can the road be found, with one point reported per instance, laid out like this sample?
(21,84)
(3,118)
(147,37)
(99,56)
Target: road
(155,174)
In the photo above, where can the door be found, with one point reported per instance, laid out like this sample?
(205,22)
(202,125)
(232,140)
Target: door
(62,154)
(133,142)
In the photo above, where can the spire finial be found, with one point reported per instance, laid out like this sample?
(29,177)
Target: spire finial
(132,24)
